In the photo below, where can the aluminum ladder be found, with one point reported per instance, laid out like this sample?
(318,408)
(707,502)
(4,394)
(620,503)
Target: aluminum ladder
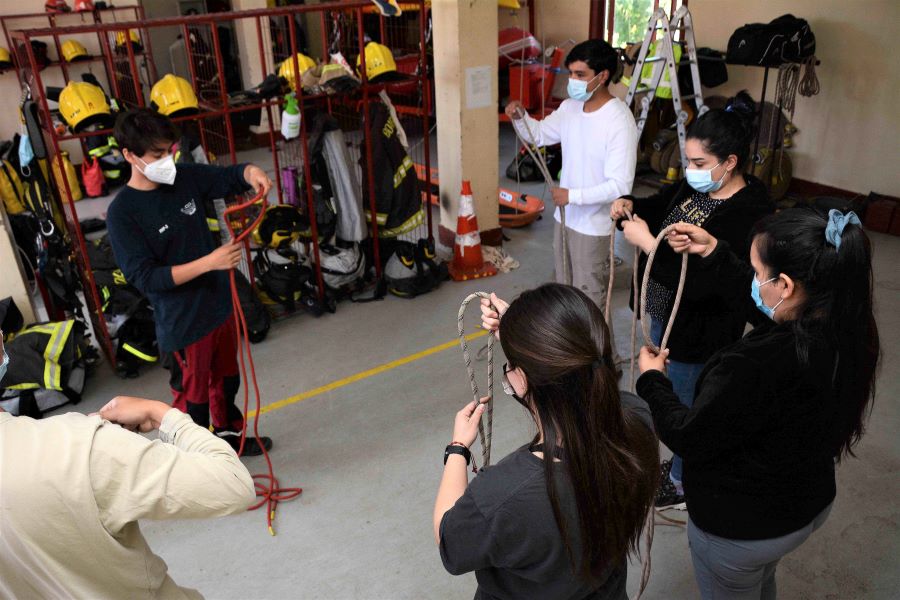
(665,62)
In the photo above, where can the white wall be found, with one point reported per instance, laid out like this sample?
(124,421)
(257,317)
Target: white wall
(555,21)
(850,133)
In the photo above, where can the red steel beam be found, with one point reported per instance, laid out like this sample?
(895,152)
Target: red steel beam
(204,19)
(307,171)
(367,136)
(426,121)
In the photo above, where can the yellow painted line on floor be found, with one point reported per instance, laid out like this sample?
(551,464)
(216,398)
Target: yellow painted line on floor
(363,375)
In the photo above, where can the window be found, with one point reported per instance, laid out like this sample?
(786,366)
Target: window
(627,19)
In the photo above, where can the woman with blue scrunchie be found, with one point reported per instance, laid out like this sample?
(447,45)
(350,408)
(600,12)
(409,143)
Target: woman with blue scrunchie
(776,411)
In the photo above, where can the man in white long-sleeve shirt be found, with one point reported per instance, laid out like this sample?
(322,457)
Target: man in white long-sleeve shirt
(72,488)
(599,150)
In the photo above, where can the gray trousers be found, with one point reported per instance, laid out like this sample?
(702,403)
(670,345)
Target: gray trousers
(589,262)
(742,569)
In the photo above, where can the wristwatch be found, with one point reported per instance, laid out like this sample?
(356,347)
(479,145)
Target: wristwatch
(457,449)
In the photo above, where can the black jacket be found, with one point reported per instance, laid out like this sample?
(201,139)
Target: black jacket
(153,231)
(707,318)
(396,187)
(760,440)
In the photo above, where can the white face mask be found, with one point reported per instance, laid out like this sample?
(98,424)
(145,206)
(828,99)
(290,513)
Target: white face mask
(160,171)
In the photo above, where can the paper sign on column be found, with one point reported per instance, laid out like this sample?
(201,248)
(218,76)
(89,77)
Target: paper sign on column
(479,87)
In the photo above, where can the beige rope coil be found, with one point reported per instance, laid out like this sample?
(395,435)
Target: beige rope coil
(641,294)
(485,436)
(607,313)
(645,322)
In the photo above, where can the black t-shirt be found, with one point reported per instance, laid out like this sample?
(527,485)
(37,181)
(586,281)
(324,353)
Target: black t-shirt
(503,528)
(152,231)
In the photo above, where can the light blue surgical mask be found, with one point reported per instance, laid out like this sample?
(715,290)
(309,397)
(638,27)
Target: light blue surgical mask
(26,155)
(4,365)
(702,181)
(577,89)
(754,293)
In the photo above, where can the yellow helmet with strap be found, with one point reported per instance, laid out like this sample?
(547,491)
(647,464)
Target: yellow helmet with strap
(173,96)
(286,70)
(72,50)
(379,60)
(132,37)
(5,59)
(82,104)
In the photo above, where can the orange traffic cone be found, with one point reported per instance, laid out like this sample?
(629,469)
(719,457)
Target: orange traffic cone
(468,262)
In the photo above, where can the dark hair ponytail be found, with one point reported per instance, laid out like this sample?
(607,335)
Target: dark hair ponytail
(837,312)
(559,338)
(728,130)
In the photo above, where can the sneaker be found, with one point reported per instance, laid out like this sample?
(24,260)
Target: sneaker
(251,444)
(667,495)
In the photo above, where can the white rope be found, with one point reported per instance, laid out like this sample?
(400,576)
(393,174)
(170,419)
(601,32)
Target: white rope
(541,162)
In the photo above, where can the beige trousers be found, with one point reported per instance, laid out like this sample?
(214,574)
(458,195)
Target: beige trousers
(589,262)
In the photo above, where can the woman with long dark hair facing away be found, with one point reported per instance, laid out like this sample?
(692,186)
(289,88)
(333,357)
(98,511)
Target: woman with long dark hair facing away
(558,517)
(717,195)
(775,411)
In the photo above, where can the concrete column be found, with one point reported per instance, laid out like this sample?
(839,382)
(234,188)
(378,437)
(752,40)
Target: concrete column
(465,65)
(12,276)
(251,66)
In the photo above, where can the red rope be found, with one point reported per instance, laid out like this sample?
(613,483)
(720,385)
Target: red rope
(268,487)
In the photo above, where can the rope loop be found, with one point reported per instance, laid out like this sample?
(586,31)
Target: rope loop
(484,433)
(645,320)
(541,164)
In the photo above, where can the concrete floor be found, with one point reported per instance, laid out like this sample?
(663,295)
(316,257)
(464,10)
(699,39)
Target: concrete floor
(368,456)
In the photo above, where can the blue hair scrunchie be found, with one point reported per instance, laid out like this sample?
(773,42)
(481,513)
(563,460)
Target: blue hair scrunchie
(836,223)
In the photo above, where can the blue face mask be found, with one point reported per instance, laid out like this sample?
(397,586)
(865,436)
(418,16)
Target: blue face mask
(577,89)
(701,179)
(4,365)
(754,293)
(26,154)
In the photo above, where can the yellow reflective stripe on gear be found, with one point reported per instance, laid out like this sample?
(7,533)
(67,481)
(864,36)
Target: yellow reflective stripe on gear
(400,173)
(411,223)
(23,386)
(129,348)
(119,277)
(52,370)
(213,224)
(49,328)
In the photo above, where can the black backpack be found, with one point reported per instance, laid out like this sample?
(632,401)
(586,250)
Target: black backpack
(710,64)
(785,39)
(528,171)
(255,313)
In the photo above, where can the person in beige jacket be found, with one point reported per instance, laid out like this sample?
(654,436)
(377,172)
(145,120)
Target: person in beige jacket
(73,487)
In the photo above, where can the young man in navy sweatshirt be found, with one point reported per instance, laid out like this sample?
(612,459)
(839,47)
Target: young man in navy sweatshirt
(160,237)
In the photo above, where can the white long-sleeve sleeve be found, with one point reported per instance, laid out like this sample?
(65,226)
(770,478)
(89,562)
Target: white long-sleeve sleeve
(618,170)
(546,132)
